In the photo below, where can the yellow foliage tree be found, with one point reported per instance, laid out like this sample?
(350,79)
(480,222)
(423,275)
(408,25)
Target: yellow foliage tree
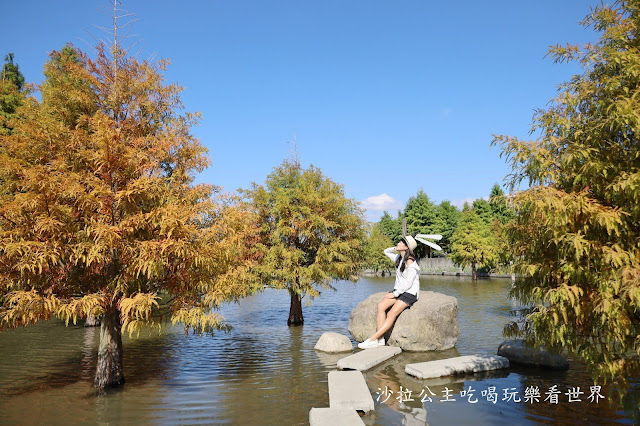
(576,238)
(310,233)
(99,214)
(376,242)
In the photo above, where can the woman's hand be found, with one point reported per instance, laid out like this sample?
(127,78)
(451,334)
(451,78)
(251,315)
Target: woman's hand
(389,296)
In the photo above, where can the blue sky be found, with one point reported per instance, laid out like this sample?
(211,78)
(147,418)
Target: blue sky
(385,97)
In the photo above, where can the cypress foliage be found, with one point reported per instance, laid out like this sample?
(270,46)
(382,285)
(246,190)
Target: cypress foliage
(577,233)
(310,234)
(99,215)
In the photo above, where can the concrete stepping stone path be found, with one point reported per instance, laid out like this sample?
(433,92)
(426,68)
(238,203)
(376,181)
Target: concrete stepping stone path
(348,389)
(328,416)
(368,358)
(461,364)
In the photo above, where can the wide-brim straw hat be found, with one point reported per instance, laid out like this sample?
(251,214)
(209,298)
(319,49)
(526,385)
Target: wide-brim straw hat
(410,242)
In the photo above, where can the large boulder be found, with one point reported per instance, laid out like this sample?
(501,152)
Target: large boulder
(517,352)
(333,342)
(431,324)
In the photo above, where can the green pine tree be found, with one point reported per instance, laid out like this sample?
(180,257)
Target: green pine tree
(499,208)
(446,223)
(12,93)
(483,209)
(388,226)
(420,213)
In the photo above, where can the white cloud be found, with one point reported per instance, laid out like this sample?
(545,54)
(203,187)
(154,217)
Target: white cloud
(381,203)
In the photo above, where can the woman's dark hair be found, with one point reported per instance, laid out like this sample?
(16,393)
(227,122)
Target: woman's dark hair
(407,255)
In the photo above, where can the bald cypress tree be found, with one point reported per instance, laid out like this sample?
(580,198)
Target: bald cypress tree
(99,214)
(576,236)
(310,234)
(473,242)
(377,241)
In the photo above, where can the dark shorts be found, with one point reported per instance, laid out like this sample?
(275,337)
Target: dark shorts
(407,298)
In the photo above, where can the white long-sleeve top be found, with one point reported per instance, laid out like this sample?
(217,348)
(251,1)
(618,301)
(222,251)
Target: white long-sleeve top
(407,281)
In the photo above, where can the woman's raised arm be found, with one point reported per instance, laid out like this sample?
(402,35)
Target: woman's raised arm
(389,251)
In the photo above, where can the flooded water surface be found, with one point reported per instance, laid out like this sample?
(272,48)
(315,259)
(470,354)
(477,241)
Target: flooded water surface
(264,372)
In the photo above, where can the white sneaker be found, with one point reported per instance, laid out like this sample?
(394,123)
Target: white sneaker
(381,341)
(367,344)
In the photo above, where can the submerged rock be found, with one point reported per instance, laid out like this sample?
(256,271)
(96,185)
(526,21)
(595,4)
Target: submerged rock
(333,342)
(518,353)
(431,324)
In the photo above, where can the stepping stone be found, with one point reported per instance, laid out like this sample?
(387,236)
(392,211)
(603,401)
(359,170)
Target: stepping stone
(334,417)
(461,364)
(347,389)
(368,358)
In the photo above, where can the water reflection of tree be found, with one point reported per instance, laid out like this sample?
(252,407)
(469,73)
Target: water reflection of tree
(275,390)
(631,401)
(585,411)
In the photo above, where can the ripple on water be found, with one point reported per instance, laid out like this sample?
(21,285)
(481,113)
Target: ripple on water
(264,372)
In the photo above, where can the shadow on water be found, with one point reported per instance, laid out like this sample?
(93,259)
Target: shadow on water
(77,362)
(59,363)
(67,373)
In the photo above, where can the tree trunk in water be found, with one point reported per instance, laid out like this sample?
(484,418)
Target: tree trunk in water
(295,310)
(91,321)
(110,369)
(474,273)
(513,275)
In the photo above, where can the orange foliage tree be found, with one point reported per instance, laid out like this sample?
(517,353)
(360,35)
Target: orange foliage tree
(99,214)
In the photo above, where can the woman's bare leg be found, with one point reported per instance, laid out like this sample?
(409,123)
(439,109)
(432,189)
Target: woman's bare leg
(383,305)
(395,310)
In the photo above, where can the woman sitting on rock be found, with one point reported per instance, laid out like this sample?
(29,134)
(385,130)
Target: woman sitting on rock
(405,292)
